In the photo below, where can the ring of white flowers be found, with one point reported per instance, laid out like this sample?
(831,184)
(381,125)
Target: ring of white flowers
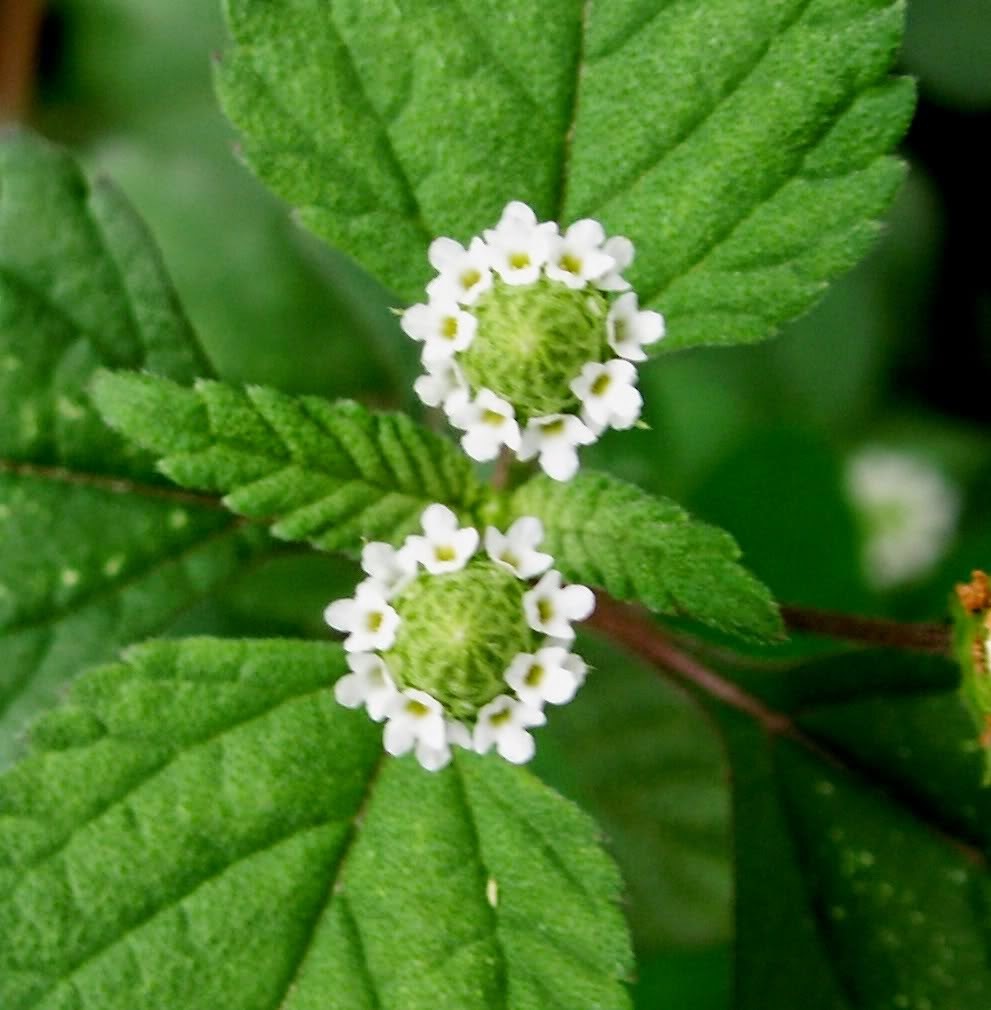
(415,721)
(521,250)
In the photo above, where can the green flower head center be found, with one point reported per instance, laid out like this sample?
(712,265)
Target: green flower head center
(458,633)
(533,340)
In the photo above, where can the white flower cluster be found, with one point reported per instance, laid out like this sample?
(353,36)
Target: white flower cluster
(519,251)
(414,719)
(908,511)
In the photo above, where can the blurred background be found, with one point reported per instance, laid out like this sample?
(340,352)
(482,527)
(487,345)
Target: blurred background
(850,457)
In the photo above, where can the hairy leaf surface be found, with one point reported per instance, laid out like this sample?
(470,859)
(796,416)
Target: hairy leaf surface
(96,551)
(266,854)
(861,844)
(742,145)
(334,474)
(605,532)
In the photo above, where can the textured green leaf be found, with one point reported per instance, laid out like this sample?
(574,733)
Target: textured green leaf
(604,532)
(742,145)
(646,762)
(96,551)
(861,846)
(204,827)
(334,474)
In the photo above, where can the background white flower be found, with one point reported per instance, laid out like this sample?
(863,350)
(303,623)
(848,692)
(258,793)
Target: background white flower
(553,439)
(908,509)
(463,274)
(629,330)
(504,723)
(550,607)
(608,394)
(489,423)
(444,547)
(368,618)
(577,257)
(544,676)
(369,683)
(516,549)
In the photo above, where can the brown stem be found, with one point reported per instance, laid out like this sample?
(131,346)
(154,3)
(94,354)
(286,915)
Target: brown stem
(500,475)
(20,22)
(868,630)
(635,631)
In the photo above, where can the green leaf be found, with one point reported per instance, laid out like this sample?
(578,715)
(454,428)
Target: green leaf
(265,854)
(333,474)
(862,840)
(97,551)
(604,532)
(646,762)
(742,145)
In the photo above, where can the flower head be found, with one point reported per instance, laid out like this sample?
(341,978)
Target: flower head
(513,324)
(908,512)
(464,653)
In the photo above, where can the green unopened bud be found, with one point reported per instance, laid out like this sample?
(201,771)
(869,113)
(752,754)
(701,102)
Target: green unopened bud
(458,633)
(532,340)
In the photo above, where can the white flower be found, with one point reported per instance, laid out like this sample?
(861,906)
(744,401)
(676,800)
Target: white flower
(390,570)
(576,257)
(368,618)
(545,676)
(504,722)
(368,684)
(554,438)
(417,721)
(516,549)
(608,394)
(443,386)
(443,327)
(550,607)
(444,547)
(489,423)
(629,330)
(463,274)
(621,250)
(519,245)
(909,511)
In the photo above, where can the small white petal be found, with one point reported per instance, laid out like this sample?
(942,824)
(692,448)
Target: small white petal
(433,759)
(438,521)
(579,602)
(350,691)
(516,745)
(399,737)
(444,252)
(341,614)
(560,462)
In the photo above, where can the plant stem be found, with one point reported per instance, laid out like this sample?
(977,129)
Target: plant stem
(931,637)
(636,632)
(20,22)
